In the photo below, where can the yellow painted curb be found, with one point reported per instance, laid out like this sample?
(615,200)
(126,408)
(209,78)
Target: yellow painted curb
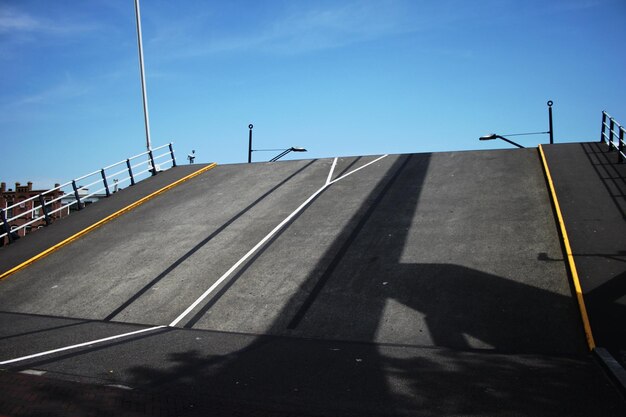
(570,257)
(105,220)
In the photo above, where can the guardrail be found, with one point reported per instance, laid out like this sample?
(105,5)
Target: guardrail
(57,202)
(614,135)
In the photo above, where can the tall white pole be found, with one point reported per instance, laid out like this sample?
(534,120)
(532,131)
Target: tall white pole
(143,76)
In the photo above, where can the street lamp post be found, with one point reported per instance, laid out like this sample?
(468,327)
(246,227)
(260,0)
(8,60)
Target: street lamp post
(550,121)
(250,126)
(550,132)
(282,153)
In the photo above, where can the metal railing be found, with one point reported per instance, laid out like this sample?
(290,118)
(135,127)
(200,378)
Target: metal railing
(57,202)
(613,135)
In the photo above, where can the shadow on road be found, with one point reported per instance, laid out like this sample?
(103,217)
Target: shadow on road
(331,356)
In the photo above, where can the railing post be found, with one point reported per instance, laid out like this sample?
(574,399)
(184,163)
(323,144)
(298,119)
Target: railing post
(7,228)
(620,149)
(42,203)
(172,153)
(104,181)
(79,206)
(130,172)
(611,127)
(603,126)
(150,154)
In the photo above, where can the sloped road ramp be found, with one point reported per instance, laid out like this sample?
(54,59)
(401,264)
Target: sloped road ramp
(423,284)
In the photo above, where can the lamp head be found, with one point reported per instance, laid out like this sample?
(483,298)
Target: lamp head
(490,136)
(297,149)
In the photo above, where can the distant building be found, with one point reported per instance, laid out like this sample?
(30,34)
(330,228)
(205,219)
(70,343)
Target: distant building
(85,198)
(28,210)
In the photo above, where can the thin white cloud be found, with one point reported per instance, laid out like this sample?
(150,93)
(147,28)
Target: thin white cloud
(20,30)
(15,22)
(337,26)
(66,89)
(573,5)
(293,31)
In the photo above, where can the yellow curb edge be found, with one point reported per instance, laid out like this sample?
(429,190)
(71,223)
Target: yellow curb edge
(103,221)
(570,257)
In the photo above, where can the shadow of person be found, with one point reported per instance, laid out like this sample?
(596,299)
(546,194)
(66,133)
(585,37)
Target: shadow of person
(448,306)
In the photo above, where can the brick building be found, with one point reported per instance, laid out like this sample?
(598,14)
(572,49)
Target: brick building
(27,210)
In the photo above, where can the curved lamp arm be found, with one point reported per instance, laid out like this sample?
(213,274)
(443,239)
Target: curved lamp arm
(286,151)
(494,136)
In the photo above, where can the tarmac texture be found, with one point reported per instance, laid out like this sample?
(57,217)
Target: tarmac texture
(32,245)
(423,284)
(595,222)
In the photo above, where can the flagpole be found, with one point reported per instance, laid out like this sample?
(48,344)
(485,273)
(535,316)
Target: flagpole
(143,77)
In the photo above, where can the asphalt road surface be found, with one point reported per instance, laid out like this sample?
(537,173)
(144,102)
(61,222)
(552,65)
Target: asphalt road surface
(422,284)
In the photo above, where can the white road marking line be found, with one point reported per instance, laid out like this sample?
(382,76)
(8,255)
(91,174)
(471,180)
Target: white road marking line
(358,169)
(262,241)
(246,256)
(34,372)
(332,168)
(93,342)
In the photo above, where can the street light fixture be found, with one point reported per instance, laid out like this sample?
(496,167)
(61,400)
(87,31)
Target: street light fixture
(286,151)
(550,132)
(282,153)
(493,136)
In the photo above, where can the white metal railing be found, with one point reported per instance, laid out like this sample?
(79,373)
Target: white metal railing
(76,195)
(613,135)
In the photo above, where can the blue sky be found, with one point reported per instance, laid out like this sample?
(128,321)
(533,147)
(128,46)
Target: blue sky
(337,77)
